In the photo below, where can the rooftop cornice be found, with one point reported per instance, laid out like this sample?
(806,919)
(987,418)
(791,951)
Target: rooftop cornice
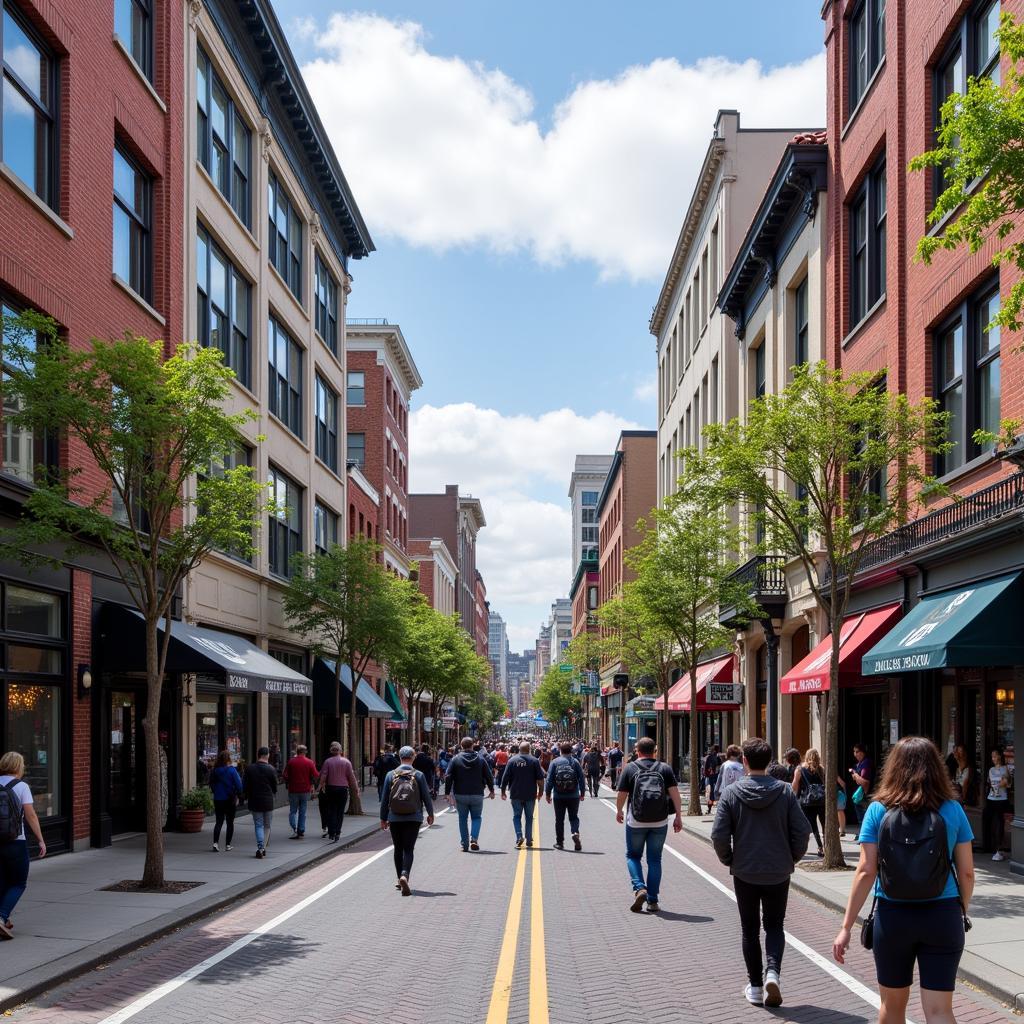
(392,340)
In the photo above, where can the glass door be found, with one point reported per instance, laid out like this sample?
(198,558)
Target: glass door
(127,763)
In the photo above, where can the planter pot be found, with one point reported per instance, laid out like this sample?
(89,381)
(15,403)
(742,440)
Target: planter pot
(192,821)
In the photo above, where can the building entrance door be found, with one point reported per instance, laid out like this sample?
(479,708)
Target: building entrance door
(127,793)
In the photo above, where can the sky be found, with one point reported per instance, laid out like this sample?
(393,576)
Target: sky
(524,170)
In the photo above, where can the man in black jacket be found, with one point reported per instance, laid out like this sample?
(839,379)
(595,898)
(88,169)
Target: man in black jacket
(467,777)
(760,832)
(523,780)
(260,787)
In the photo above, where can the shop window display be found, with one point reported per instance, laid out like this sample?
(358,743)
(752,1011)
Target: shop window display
(33,729)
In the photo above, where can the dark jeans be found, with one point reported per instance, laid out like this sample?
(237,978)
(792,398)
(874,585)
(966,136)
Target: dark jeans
(993,825)
(322,801)
(594,784)
(225,813)
(566,805)
(14,859)
(756,902)
(814,815)
(403,837)
(337,796)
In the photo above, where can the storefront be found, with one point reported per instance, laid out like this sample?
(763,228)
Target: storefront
(641,718)
(396,727)
(332,704)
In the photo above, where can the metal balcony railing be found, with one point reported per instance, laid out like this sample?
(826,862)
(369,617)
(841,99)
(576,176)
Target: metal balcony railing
(765,576)
(366,321)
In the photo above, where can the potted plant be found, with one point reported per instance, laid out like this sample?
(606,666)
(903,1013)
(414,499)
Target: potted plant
(194,805)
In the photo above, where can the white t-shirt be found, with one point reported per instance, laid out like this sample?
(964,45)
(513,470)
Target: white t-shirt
(996,774)
(23,793)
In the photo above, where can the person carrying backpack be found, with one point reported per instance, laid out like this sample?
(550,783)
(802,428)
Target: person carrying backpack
(650,789)
(15,810)
(523,781)
(809,785)
(915,854)
(730,772)
(593,765)
(467,777)
(406,795)
(760,832)
(566,787)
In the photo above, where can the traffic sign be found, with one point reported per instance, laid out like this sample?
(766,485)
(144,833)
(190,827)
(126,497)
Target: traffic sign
(565,667)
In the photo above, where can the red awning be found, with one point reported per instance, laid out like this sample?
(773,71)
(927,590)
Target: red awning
(857,635)
(719,671)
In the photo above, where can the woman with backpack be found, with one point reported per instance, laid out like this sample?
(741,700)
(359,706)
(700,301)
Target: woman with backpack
(15,810)
(921,887)
(405,795)
(809,787)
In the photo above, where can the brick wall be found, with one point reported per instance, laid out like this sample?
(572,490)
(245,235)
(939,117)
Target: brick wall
(81,716)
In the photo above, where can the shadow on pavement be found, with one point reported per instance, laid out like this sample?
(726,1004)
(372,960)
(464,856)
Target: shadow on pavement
(432,895)
(668,915)
(815,1014)
(267,953)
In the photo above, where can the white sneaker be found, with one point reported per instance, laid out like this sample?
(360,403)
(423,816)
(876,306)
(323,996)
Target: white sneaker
(754,995)
(772,989)
(999,855)
(216,848)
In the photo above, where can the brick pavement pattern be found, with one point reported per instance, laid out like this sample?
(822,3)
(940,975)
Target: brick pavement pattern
(362,953)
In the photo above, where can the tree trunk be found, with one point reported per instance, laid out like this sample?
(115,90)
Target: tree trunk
(668,738)
(833,847)
(694,806)
(355,802)
(153,871)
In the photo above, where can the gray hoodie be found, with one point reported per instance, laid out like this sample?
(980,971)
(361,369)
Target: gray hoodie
(760,830)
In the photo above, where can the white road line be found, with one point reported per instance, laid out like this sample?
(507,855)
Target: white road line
(858,988)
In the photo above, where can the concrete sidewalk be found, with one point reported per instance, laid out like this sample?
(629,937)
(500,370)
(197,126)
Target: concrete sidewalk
(65,924)
(994,958)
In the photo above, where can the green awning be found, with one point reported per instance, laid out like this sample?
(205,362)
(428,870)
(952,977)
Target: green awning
(392,698)
(977,626)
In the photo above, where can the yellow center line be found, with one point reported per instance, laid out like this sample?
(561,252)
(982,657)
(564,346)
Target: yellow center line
(538,960)
(501,994)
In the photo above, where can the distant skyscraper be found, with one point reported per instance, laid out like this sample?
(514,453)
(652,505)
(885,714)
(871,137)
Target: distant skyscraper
(497,651)
(585,485)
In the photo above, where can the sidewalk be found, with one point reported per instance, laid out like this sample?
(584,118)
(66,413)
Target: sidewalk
(65,924)
(994,958)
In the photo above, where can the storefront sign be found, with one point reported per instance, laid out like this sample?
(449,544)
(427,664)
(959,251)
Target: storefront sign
(236,681)
(723,693)
(394,725)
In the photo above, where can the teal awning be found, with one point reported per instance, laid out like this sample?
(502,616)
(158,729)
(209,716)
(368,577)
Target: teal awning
(977,625)
(394,701)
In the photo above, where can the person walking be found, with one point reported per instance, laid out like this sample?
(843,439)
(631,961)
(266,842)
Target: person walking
(523,782)
(337,779)
(467,777)
(614,763)
(997,803)
(406,795)
(260,790)
(650,789)
(593,766)
(924,888)
(731,771)
(785,770)
(760,832)
(226,785)
(566,788)
(710,771)
(383,763)
(424,762)
(16,811)
(300,777)
(963,773)
(862,776)
(501,758)
(809,786)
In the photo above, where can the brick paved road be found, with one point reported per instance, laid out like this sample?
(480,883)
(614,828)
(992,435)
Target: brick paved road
(361,953)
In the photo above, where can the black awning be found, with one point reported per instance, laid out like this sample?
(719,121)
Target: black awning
(235,660)
(368,703)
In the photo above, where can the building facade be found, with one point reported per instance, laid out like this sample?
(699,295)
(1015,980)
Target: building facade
(588,476)
(437,573)
(481,620)
(497,651)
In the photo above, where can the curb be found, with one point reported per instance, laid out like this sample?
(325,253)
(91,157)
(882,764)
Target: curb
(974,970)
(39,979)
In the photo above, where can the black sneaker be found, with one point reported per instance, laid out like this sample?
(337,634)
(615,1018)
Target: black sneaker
(559,845)
(639,899)
(519,843)
(529,844)
(474,845)
(576,841)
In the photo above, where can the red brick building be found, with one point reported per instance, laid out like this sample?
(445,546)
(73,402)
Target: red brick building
(481,610)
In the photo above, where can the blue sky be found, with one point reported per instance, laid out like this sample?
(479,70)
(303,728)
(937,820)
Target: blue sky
(523,170)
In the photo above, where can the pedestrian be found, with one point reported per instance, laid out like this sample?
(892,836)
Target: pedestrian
(614,763)
(862,775)
(963,773)
(841,804)
(337,780)
(710,772)
(731,771)
(922,895)
(406,795)
(500,760)
(566,788)
(424,762)
(226,784)
(384,762)
(809,786)
(647,791)
(467,777)
(260,790)
(997,802)
(785,770)
(15,811)
(760,832)
(300,776)
(593,766)
(523,781)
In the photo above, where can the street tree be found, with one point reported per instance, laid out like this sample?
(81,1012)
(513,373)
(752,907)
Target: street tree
(485,708)
(825,467)
(554,696)
(585,653)
(350,610)
(465,676)
(155,428)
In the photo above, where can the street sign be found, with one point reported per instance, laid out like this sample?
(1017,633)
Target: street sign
(589,691)
(565,667)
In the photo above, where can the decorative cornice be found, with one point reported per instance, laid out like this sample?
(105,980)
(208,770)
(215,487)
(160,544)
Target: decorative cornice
(804,183)
(195,8)
(266,134)
(766,258)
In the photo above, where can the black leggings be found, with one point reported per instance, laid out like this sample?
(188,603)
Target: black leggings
(336,798)
(993,826)
(403,837)
(594,784)
(225,812)
(814,815)
(755,902)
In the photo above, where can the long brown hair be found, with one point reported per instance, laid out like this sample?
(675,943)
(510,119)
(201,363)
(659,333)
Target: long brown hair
(914,777)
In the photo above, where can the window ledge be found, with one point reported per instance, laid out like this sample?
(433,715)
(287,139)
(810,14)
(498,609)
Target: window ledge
(288,288)
(858,327)
(8,175)
(863,99)
(125,286)
(320,462)
(223,200)
(967,468)
(291,433)
(119,43)
(936,229)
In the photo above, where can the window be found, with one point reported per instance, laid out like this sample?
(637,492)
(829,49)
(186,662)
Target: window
(241,456)
(326,297)
(868,244)
(589,515)
(874,490)
(285,236)
(760,379)
(325,529)
(285,377)
(223,140)
(967,382)
(714,390)
(285,523)
(591,597)
(800,324)
(589,498)
(223,309)
(132,211)
(355,390)
(356,453)
(326,414)
(28,107)
(589,534)
(133,24)
(866,45)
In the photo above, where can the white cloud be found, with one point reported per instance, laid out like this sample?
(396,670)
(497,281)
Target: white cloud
(646,389)
(442,151)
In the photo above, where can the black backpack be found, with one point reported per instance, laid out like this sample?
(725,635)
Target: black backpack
(649,801)
(405,795)
(10,813)
(565,779)
(812,793)
(913,855)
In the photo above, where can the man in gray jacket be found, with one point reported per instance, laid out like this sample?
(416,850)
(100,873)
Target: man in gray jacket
(761,832)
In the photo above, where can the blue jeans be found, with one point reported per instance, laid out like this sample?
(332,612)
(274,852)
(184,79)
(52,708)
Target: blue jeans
(297,804)
(261,822)
(13,875)
(653,839)
(468,806)
(518,808)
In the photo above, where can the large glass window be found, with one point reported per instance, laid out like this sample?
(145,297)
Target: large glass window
(33,729)
(356,453)
(223,139)
(589,498)
(326,305)
(866,45)
(285,377)
(760,371)
(800,324)
(33,611)
(325,528)
(238,723)
(285,540)
(133,23)
(241,456)
(132,224)
(326,414)
(285,239)
(28,107)
(355,390)
(223,309)
(868,244)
